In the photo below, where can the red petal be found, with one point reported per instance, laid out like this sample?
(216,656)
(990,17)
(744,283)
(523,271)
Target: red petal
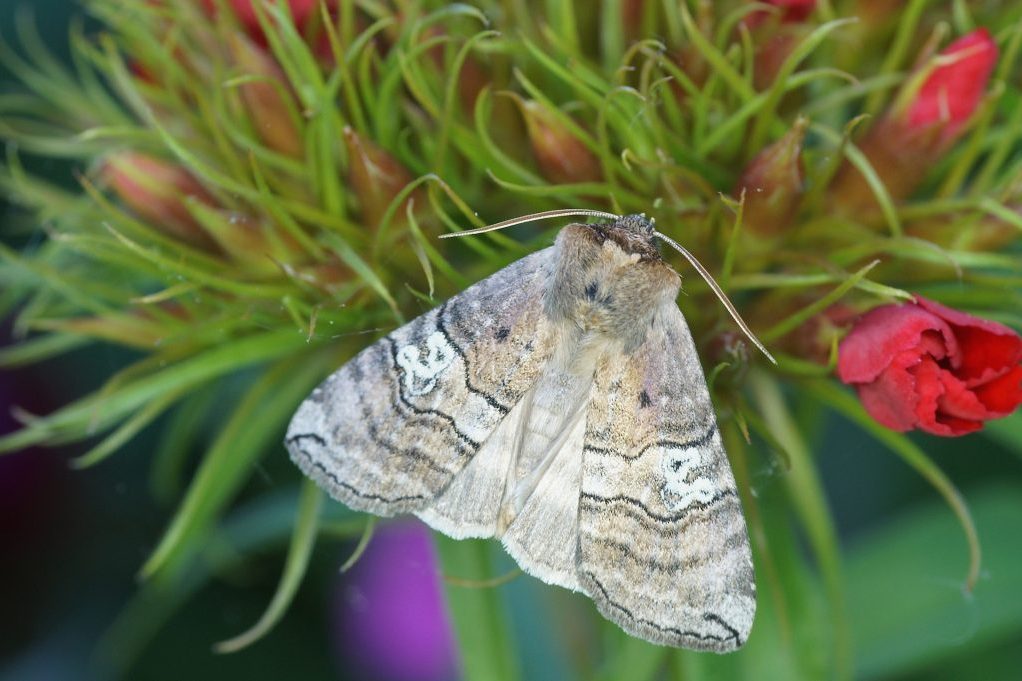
(945,407)
(959,401)
(988,349)
(882,334)
(1002,395)
(892,398)
(929,390)
(952,426)
(952,92)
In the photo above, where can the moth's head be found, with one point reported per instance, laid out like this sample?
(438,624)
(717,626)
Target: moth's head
(633,233)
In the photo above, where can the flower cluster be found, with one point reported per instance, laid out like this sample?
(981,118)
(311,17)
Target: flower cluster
(924,365)
(262,185)
(904,382)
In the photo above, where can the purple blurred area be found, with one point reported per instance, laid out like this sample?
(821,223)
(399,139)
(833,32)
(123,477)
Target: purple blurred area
(390,620)
(37,519)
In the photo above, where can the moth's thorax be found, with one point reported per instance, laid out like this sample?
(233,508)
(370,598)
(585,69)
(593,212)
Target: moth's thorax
(610,279)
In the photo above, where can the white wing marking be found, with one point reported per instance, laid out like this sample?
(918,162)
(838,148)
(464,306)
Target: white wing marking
(421,373)
(678,464)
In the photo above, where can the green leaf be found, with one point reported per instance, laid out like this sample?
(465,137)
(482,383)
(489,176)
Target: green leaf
(262,413)
(910,609)
(810,504)
(792,321)
(634,659)
(844,403)
(1007,431)
(40,348)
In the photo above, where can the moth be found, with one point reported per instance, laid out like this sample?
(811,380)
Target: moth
(559,406)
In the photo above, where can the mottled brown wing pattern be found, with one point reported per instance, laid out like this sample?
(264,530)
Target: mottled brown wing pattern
(389,431)
(662,546)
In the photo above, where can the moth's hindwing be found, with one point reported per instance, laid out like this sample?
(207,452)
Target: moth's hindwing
(662,546)
(388,431)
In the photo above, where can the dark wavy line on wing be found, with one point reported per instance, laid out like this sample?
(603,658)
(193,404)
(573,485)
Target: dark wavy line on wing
(626,551)
(666,444)
(597,499)
(441,327)
(427,412)
(681,633)
(294,440)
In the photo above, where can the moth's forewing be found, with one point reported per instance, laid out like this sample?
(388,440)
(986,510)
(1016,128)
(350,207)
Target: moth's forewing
(390,430)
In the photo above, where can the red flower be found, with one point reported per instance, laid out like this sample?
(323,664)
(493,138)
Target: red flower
(952,91)
(927,366)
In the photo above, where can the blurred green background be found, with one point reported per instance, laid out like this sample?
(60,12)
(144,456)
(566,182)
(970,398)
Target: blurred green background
(74,541)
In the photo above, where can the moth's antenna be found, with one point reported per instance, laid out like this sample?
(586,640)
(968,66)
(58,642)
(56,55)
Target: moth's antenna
(545,215)
(719,292)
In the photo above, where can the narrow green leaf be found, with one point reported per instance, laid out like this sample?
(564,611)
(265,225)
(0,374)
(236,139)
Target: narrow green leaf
(792,321)
(127,430)
(810,503)
(863,165)
(363,543)
(480,618)
(717,59)
(844,403)
(635,660)
(353,260)
(302,543)
(40,348)
(181,431)
(98,411)
(262,412)
(806,47)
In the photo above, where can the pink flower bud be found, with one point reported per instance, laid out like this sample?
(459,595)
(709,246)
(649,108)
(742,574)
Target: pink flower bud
(377,177)
(157,191)
(776,33)
(954,89)
(772,183)
(916,132)
(562,158)
(257,244)
(267,98)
